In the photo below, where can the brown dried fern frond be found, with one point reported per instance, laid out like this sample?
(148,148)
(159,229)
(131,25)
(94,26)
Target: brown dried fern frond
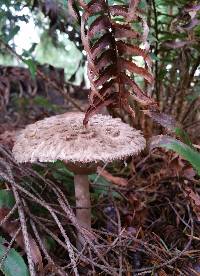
(111,42)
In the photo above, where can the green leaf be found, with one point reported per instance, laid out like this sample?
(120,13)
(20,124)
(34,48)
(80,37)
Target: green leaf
(154,57)
(187,152)
(63,175)
(7,199)
(104,186)
(31,66)
(185,137)
(195,95)
(61,167)
(50,243)
(13,265)
(12,33)
(45,103)
(27,53)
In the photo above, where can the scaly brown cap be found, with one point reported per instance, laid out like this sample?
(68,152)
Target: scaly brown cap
(63,137)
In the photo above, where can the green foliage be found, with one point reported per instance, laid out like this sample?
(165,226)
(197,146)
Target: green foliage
(103,188)
(63,175)
(186,151)
(64,54)
(50,243)
(12,33)
(195,95)
(184,136)
(9,19)
(45,103)
(7,199)
(54,47)
(61,168)
(31,66)
(13,265)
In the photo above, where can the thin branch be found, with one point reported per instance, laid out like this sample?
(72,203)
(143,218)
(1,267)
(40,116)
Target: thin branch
(24,229)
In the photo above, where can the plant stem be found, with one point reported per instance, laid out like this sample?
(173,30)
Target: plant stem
(83,205)
(156,50)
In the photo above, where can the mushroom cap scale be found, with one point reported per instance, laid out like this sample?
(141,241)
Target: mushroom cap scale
(63,137)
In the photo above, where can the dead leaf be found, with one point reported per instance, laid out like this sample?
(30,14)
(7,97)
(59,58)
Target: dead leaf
(189,173)
(7,138)
(176,165)
(163,119)
(110,178)
(110,68)
(195,201)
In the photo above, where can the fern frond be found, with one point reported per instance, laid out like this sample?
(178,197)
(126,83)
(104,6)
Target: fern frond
(111,42)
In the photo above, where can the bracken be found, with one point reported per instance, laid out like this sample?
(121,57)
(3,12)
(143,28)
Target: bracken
(110,42)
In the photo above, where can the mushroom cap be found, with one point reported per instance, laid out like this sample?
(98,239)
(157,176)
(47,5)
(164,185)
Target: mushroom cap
(64,137)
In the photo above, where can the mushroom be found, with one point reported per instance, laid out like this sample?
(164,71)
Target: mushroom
(64,137)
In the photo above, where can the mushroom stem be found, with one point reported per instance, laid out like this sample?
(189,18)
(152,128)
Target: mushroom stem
(83,205)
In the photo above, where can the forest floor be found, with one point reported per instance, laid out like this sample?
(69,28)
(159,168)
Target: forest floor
(147,220)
